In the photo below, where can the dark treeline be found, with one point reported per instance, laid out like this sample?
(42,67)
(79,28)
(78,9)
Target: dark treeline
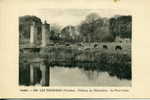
(121,26)
(93,29)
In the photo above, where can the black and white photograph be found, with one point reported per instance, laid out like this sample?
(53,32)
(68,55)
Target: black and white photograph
(75,47)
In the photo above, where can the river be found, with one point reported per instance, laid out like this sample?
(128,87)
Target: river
(63,76)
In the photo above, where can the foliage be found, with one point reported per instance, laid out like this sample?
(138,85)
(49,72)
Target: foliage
(69,33)
(55,31)
(95,29)
(121,26)
(115,63)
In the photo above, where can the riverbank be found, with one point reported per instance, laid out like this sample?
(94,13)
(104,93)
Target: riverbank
(115,62)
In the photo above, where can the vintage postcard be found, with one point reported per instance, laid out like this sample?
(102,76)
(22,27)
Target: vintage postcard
(69,48)
(75,47)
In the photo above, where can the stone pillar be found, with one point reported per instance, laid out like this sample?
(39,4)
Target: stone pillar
(45,75)
(39,72)
(33,34)
(45,34)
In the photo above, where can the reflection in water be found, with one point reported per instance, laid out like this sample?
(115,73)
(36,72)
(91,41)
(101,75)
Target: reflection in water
(91,75)
(62,76)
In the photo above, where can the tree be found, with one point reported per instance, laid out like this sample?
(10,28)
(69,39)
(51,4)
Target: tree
(95,29)
(121,26)
(69,33)
(55,30)
(88,26)
(92,17)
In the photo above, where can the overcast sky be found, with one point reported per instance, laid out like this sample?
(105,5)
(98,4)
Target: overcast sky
(65,17)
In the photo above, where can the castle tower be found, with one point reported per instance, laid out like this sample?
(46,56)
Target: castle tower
(45,34)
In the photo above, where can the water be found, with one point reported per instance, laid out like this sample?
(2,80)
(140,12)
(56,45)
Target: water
(62,76)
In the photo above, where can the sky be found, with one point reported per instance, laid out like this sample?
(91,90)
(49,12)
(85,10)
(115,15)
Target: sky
(65,17)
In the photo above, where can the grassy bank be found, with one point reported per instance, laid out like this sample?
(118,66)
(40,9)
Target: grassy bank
(115,63)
